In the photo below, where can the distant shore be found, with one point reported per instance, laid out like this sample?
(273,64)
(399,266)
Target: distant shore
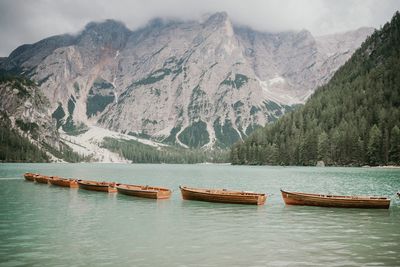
(387,167)
(211,163)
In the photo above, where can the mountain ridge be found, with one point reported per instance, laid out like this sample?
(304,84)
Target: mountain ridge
(211,82)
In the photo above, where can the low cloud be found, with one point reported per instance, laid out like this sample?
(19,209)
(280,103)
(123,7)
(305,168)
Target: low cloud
(30,21)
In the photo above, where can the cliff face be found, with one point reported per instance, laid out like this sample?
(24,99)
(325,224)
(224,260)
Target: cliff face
(25,111)
(196,84)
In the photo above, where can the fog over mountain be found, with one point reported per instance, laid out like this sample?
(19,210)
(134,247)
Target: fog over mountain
(30,21)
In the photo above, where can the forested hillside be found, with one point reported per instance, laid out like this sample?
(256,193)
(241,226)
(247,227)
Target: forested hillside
(16,148)
(352,120)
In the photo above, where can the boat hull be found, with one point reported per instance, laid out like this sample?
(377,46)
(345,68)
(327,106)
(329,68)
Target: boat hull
(64,182)
(100,187)
(237,198)
(144,192)
(295,198)
(30,177)
(42,179)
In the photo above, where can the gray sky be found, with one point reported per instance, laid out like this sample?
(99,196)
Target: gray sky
(24,21)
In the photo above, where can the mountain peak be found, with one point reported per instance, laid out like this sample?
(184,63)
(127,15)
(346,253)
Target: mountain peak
(217,18)
(105,25)
(110,33)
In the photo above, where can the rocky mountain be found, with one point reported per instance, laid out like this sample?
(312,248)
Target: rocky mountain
(27,130)
(25,105)
(192,83)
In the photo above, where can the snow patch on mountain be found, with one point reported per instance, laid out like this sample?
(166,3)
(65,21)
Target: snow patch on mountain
(276,94)
(276,80)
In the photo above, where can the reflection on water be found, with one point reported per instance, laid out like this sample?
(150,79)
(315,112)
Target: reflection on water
(42,225)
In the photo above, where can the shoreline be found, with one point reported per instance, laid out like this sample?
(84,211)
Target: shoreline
(386,167)
(206,163)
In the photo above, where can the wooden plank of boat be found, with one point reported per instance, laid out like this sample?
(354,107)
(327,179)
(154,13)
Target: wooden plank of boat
(30,176)
(97,186)
(222,196)
(306,199)
(59,181)
(42,179)
(144,191)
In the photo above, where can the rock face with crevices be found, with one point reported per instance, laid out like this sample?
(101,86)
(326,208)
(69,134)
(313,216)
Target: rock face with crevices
(25,109)
(192,83)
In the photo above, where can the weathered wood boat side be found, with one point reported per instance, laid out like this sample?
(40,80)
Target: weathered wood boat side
(97,186)
(59,181)
(306,199)
(144,191)
(43,179)
(222,196)
(30,176)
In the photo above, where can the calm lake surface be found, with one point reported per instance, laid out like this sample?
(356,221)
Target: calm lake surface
(43,225)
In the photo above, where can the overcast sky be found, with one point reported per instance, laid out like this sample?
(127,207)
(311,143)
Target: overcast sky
(30,21)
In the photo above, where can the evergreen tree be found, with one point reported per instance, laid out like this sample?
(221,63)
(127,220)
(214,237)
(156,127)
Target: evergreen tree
(374,150)
(394,155)
(323,147)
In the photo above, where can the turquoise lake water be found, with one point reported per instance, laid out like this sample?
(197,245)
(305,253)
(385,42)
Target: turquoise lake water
(43,225)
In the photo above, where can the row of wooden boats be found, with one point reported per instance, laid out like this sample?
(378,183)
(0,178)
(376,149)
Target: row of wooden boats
(217,195)
(110,187)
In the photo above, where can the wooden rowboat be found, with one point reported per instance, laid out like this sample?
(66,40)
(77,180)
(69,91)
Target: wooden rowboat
(59,181)
(43,179)
(305,199)
(144,191)
(97,186)
(30,176)
(222,195)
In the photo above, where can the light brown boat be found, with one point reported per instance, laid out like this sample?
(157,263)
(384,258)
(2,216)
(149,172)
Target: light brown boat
(222,196)
(42,179)
(144,191)
(59,181)
(30,176)
(97,186)
(305,199)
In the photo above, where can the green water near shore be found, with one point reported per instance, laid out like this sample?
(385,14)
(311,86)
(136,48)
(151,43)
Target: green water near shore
(43,225)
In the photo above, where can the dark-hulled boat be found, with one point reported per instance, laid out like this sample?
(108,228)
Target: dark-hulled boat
(59,181)
(144,191)
(306,199)
(42,179)
(30,176)
(97,186)
(222,196)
